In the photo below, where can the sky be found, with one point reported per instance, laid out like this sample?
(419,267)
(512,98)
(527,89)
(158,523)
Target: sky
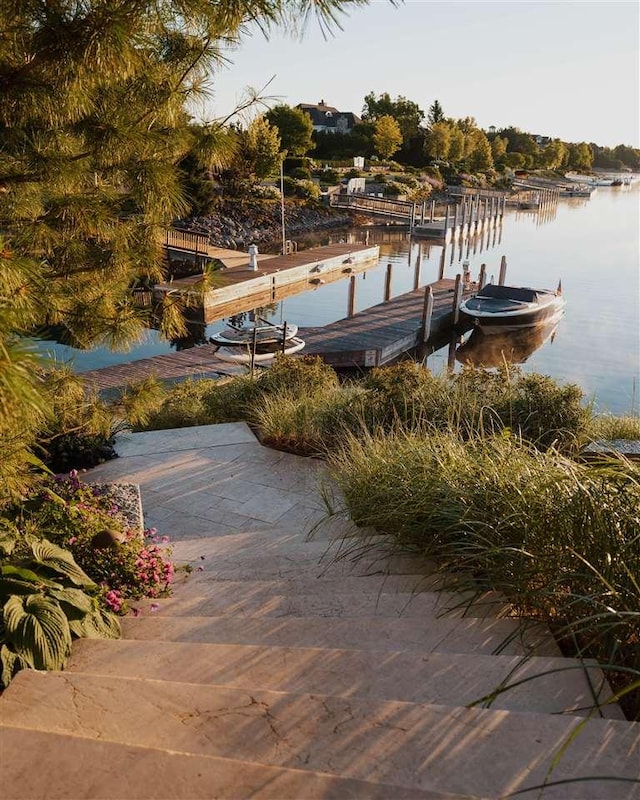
(570,70)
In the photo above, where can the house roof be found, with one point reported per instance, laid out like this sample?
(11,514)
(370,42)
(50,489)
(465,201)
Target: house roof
(328,116)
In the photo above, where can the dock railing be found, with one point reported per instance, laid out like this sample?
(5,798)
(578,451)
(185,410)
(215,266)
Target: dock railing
(402,210)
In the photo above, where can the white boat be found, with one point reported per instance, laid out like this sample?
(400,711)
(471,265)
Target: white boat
(257,343)
(496,308)
(241,354)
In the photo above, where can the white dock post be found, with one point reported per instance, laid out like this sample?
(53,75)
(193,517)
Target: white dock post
(253,257)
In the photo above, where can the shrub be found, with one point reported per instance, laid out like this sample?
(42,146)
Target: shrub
(141,400)
(184,405)
(81,430)
(301,173)
(303,376)
(304,189)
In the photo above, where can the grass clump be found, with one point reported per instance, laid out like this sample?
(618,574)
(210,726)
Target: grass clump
(560,539)
(608,427)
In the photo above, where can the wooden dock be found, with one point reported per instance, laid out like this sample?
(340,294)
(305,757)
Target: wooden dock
(374,337)
(196,362)
(379,335)
(240,288)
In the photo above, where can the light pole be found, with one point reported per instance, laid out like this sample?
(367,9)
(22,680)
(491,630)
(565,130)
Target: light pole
(284,241)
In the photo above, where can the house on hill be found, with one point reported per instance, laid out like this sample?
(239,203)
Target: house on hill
(329,119)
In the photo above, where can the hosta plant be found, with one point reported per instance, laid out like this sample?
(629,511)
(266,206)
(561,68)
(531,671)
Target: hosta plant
(46,601)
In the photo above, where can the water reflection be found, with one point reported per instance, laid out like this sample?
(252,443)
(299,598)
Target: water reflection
(513,347)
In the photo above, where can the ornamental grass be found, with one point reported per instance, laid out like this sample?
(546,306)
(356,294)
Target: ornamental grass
(558,538)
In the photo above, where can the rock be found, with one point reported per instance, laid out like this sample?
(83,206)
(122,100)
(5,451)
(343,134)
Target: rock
(238,224)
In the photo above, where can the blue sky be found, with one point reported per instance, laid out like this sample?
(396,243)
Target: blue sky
(564,69)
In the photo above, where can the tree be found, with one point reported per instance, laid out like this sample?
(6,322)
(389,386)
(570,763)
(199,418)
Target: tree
(554,155)
(456,145)
(498,147)
(479,153)
(406,113)
(258,152)
(438,141)
(387,137)
(92,133)
(580,157)
(294,128)
(436,114)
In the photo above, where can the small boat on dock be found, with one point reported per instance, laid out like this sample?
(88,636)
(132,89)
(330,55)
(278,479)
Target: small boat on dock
(257,343)
(496,308)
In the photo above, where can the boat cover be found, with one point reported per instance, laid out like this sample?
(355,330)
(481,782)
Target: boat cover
(523,294)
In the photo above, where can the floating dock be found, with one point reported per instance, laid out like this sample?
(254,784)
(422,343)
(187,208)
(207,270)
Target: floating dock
(241,288)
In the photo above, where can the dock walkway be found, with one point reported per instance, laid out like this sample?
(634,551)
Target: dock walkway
(373,337)
(378,335)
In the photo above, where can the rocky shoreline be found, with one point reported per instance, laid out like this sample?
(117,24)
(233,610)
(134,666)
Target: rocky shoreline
(238,224)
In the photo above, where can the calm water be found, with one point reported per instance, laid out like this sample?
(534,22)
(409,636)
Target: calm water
(592,245)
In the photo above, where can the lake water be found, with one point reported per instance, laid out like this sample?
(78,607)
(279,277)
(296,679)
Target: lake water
(592,245)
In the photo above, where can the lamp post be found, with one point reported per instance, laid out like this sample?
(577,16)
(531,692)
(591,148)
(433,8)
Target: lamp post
(284,242)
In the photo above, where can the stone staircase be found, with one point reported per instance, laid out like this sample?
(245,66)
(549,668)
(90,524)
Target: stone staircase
(296,662)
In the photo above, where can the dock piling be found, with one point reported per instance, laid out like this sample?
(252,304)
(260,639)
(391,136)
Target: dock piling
(387,283)
(457,298)
(503,271)
(427,313)
(482,276)
(352,296)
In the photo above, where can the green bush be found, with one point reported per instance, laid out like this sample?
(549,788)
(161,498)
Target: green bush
(303,189)
(292,375)
(300,173)
(81,429)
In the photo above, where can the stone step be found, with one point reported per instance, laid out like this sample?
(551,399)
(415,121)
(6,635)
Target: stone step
(253,599)
(75,768)
(251,546)
(199,583)
(300,562)
(422,747)
(548,685)
(445,635)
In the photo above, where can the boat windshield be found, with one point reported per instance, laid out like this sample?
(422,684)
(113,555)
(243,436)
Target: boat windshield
(509,293)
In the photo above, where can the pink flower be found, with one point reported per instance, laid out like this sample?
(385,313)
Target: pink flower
(164,539)
(73,539)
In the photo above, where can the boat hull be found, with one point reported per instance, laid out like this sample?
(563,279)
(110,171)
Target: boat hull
(241,354)
(500,308)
